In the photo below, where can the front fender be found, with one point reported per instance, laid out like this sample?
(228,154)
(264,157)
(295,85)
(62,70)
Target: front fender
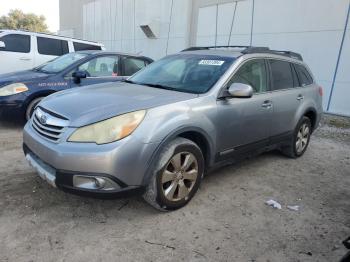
(165,123)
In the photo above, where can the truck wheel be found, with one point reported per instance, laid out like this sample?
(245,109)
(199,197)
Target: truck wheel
(300,140)
(31,107)
(177,175)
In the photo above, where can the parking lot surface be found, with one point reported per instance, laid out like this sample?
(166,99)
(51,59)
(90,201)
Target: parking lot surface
(227,220)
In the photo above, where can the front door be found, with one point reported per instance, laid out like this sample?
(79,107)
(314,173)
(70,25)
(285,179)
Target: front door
(244,123)
(100,70)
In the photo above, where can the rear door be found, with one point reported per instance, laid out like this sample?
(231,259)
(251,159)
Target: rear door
(99,69)
(17,54)
(286,97)
(244,123)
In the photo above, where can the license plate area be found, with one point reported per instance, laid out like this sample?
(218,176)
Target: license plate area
(45,171)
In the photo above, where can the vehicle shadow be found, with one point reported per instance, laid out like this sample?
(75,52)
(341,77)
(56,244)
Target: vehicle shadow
(11,124)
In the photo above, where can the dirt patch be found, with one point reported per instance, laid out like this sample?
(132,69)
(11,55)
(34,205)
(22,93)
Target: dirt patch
(227,220)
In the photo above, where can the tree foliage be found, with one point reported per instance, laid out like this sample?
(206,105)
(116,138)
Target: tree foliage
(16,19)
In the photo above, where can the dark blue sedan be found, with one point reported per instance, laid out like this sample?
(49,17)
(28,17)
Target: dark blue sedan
(21,91)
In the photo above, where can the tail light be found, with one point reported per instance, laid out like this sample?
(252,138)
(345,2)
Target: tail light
(320,90)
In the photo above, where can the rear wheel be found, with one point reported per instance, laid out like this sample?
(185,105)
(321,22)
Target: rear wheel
(177,176)
(31,107)
(300,140)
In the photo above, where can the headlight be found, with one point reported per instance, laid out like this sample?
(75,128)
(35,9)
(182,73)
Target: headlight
(13,89)
(109,130)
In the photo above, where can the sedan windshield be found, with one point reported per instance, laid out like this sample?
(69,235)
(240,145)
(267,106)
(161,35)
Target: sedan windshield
(60,63)
(185,72)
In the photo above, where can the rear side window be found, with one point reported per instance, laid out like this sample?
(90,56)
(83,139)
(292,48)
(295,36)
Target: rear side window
(103,66)
(16,43)
(132,65)
(282,76)
(50,46)
(304,76)
(82,47)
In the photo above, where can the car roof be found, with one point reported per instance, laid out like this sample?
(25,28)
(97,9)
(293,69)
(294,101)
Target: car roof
(237,51)
(26,32)
(217,52)
(101,52)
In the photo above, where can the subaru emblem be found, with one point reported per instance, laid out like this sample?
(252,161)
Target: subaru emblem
(43,119)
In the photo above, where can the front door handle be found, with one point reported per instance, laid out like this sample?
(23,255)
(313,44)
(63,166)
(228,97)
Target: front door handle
(267,104)
(300,97)
(25,59)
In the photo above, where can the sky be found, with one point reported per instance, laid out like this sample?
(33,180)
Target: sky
(48,8)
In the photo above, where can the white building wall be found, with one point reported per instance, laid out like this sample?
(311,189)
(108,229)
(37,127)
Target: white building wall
(117,24)
(313,28)
(340,102)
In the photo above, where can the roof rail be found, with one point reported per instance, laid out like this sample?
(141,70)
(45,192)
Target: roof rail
(249,50)
(194,48)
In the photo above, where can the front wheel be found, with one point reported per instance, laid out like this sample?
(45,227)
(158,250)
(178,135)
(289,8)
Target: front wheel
(177,176)
(300,140)
(31,107)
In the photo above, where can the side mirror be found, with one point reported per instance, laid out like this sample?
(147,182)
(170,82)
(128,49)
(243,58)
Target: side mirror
(2,45)
(78,75)
(240,90)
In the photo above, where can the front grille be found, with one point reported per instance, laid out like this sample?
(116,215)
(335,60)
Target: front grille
(48,125)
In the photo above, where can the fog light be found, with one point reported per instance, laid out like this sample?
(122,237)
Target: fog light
(94,183)
(100,182)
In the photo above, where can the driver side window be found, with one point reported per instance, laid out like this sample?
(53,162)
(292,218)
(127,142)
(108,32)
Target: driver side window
(252,73)
(101,66)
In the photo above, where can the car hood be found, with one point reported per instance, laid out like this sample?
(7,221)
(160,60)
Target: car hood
(21,76)
(91,104)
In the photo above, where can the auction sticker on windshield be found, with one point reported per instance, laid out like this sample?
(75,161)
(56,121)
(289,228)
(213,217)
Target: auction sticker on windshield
(211,62)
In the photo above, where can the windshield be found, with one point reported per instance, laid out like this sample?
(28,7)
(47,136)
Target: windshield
(185,72)
(60,63)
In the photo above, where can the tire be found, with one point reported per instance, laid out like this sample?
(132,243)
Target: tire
(31,107)
(173,182)
(300,140)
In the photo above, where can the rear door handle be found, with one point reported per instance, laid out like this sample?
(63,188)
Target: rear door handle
(25,59)
(267,104)
(300,97)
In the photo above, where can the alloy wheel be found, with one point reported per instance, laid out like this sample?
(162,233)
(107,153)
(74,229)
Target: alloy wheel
(179,176)
(302,138)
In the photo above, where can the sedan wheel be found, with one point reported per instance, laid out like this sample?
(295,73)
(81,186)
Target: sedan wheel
(31,107)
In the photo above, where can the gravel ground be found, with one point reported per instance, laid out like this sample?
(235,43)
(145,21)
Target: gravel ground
(226,221)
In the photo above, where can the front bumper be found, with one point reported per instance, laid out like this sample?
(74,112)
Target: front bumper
(124,162)
(12,107)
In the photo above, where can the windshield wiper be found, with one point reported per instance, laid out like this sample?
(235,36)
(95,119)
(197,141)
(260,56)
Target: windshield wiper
(129,81)
(157,86)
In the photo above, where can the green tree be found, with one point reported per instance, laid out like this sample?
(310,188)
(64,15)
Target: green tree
(16,19)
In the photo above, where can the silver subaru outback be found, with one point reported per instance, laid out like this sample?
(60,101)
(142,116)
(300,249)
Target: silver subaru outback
(160,131)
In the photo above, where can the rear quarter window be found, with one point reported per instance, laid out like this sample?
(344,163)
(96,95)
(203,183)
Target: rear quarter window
(81,46)
(50,46)
(304,76)
(132,65)
(16,43)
